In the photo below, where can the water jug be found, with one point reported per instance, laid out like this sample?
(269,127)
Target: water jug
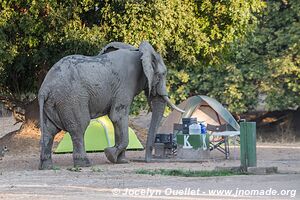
(195,128)
(203,127)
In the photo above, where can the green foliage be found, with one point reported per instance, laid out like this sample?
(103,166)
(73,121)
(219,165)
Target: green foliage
(268,62)
(283,54)
(229,50)
(75,169)
(263,66)
(96,169)
(194,37)
(140,103)
(55,168)
(183,31)
(36,34)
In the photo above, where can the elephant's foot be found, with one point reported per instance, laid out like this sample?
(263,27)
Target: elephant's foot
(122,159)
(111,154)
(45,164)
(81,161)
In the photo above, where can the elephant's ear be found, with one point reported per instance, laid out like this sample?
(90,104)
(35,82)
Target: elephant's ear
(113,46)
(148,62)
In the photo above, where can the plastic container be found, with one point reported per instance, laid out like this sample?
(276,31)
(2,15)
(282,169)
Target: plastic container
(203,127)
(186,122)
(195,128)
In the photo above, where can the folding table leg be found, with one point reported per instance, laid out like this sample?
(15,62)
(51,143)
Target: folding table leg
(226,143)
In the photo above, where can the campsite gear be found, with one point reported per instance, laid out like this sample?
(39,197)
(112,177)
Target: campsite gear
(205,108)
(159,150)
(203,134)
(98,136)
(221,132)
(203,127)
(193,141)
(190,147)
(225,135)
(193,120)
(162,138)
(177,129)
(186,123)
(195,128)
(168,139)
(204,147)
(209,110)
(165,145)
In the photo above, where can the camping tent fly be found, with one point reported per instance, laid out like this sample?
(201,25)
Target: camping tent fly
(205,109)
(98,136)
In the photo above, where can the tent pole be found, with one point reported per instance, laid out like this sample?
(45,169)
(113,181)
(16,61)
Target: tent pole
(105,130)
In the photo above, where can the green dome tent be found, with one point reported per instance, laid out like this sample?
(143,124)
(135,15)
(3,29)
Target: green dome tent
(205,109)
(98,136)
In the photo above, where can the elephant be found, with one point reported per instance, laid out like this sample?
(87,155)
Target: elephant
(80,88)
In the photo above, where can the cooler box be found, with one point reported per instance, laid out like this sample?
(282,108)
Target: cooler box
(191,146)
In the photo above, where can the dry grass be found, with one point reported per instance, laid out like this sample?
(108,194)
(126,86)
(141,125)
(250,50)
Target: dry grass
(283,133)
(140,132)
(26,140)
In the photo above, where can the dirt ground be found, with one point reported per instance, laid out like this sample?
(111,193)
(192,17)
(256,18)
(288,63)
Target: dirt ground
(20,178)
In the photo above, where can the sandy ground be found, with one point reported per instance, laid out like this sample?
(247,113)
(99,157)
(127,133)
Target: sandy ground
(7,125)
(20,178)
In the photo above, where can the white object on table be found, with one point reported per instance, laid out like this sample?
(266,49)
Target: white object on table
(226,133)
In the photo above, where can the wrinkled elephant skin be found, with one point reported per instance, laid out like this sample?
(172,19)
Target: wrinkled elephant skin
(79,88)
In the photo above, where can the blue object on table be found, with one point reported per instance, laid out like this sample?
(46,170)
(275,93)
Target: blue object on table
(203,128)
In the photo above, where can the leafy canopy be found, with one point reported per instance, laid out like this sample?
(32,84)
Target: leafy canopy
(238,51)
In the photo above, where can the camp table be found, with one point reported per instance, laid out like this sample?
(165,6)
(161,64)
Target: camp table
(225,135)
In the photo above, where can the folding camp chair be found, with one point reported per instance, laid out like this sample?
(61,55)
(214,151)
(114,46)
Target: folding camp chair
(220,136)
(216,142)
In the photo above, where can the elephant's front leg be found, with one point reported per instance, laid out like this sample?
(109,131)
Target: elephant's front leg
(119,117)
(121,157)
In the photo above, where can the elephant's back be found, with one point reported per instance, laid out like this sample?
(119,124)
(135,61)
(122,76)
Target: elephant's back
(63,76)
(69,69)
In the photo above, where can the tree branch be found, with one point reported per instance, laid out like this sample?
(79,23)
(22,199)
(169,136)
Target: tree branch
(14,105)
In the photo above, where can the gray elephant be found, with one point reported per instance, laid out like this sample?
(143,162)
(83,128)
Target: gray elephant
(79,88)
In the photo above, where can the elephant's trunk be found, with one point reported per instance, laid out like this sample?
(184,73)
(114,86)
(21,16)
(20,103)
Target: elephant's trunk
(158,105)
(166,98)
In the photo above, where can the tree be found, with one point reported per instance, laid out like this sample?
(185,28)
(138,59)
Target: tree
(33,36)
(193,36)
(266,66)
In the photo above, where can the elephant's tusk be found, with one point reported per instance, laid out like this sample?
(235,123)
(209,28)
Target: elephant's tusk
(172,105)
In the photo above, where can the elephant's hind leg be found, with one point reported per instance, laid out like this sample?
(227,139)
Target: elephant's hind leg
(76,122)
(48,133)
(79,155)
